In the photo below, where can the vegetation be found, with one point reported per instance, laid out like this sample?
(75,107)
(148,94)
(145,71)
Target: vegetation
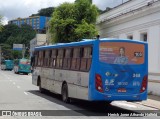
(0,23)
(12,34)
(45,12)
(74,21)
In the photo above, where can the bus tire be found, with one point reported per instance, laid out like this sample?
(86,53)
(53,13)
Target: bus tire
(65,97)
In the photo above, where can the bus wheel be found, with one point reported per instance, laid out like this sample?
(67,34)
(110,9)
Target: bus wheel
(65,97)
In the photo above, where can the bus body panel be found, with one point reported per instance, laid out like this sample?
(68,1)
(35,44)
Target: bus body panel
(120,82)
(77,82)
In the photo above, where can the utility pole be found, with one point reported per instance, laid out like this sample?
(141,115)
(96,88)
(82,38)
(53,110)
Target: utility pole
(23,51)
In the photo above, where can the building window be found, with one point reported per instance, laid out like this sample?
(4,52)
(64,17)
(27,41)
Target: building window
(144,37)
(130,37)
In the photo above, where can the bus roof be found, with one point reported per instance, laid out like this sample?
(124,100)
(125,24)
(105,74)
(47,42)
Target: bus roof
(85,42)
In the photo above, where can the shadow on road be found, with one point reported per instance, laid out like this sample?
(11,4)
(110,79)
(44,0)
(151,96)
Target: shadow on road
(80,107)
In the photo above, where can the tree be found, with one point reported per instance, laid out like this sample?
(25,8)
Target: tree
(63,23)
(85,30)
(9,30)
(6,51)
(0,23)
(12,34)
(45,12)
(69,19)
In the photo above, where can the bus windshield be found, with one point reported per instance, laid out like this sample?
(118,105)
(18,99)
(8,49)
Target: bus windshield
(24,61)
(121,53)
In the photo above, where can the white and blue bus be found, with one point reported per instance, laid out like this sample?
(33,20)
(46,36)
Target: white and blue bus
(93,70)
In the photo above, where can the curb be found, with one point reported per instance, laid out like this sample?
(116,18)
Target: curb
(147,105)
(154,81)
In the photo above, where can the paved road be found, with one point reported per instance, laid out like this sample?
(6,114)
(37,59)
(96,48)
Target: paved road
(18,93)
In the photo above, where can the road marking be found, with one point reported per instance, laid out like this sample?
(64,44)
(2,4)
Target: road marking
(14,83)
(18,87)
(25,93)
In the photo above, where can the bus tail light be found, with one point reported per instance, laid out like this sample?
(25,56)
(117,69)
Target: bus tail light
(144,84)
(99,86)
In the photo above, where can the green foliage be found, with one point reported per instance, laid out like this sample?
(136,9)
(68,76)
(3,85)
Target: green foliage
(6,51)
(17,54)
(45,12)
(85,30)
(1,23)
(13,34)
(73,21)
(9,30)
(86,11)
(63,23)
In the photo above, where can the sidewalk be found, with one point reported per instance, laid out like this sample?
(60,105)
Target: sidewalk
(152,101)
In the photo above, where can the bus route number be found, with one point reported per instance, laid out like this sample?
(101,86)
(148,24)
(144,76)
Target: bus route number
(138,54)
(136,75)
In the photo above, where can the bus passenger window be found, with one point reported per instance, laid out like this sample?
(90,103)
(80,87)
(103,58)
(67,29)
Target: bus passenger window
(67,59)
(60,56)
(86,59)
(49,58)
(76,59)
(54,56)
(43,58)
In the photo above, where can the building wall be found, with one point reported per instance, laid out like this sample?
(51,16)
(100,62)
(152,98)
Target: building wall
(37,22)
(39,40)
(135,23)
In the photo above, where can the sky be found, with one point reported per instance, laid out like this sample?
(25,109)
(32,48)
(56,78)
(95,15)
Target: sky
(12,9)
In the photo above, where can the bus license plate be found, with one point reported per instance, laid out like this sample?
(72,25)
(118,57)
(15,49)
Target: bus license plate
(122,90)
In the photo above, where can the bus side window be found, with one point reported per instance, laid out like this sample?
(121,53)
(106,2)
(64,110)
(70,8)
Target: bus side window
(89,60)
(76,59)
(43,58)
(46,58)
(86,58)
(67,59)
(49,58)
(39,58)
(54,56)
(60,56)
(36,58)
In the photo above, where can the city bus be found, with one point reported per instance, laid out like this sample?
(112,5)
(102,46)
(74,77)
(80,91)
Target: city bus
(93,70)
(22,66)
(7,65)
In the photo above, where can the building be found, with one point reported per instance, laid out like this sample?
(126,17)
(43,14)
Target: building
(39,40)
(48,34)
(139,20)
(37,22)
